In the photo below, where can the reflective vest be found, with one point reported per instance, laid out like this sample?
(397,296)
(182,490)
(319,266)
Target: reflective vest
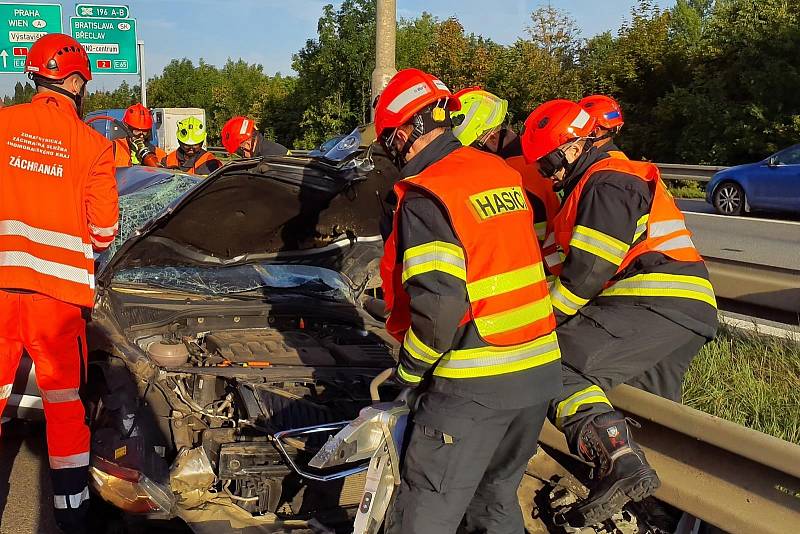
(56,178)
(499,262)
(171,162)
(617,154)
(124,157)
(541,188)
(122,153)
(664,229)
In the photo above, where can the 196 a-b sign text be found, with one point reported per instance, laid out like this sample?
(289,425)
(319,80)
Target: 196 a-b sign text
(110,43)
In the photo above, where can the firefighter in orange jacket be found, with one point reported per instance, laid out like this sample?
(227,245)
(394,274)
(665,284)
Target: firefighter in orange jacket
(609,120)
(136,149)
(480,123)
(190,156)
(633,300)
(467,297)
(58,203)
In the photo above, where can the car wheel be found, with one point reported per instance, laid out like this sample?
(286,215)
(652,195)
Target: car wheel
(729,199)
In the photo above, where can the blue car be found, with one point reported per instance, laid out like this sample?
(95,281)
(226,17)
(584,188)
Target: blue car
(769,185)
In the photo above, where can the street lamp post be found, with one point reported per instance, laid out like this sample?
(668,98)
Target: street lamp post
(385,40)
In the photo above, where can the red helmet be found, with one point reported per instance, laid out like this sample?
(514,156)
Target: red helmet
(553,124)
(604,109)
(236,131)
(138,117)
(55,56)
(407,93)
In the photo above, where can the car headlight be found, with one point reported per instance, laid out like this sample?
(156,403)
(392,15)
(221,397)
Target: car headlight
(129,489)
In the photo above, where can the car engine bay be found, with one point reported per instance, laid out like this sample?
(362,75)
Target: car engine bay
(214,390)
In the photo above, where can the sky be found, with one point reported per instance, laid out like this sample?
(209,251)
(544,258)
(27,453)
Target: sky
(268,32)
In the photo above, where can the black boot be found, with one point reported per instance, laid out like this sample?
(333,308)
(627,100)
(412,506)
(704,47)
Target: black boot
(621,471)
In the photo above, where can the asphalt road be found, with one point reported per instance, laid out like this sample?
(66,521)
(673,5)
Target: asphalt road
(751,239)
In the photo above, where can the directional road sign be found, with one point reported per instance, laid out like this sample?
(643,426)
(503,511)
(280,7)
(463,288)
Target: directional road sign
(20,26)
(104,11)
(110,43)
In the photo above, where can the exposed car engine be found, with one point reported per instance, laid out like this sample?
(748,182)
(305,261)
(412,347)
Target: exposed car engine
(223,393)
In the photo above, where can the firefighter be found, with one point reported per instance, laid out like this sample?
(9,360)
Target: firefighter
(480,123)
(467,298)
(127,150)
(190,156)
(58,203)
(240,136)
(608,114)
(632,300)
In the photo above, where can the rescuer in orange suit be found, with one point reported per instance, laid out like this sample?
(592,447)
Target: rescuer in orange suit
(137,149)
(467,298)
(58,204)
(481,123)
(240,136)
(608,114)
(190,156)
(632,299)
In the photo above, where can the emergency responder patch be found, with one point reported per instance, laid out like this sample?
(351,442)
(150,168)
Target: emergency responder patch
(494,202)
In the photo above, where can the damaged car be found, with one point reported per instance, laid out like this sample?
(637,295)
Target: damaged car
(227,341)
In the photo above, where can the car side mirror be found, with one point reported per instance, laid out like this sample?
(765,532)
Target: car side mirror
(772,161)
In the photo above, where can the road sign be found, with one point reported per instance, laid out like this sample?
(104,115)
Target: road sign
(103,12)
(110,43)
(20,26)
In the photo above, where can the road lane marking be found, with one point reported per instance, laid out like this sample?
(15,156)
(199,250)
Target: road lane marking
(735,217)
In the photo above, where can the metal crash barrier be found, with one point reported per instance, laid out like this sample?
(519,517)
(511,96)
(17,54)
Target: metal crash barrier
(734,478)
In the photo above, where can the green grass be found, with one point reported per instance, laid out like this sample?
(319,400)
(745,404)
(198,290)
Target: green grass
(686,189)
(749,379)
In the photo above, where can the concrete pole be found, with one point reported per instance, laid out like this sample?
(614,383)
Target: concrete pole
(385,41)
(142,73)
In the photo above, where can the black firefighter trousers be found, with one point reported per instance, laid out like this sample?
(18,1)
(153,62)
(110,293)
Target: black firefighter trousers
(607,345)
(462,467)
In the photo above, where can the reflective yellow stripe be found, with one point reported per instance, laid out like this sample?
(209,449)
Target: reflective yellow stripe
(419,350)
(570,406)
(515,318)
(407,376)
(505,282)
(492,360)
(435,256)
(641,226)
(602,245)
(664,285)
(565,300)
(541,229)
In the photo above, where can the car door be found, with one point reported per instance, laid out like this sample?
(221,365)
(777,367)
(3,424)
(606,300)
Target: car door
(779,182)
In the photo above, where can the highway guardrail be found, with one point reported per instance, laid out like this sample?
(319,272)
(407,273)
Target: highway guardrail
(669,171)
(735,478)
(758,285)
(692,173)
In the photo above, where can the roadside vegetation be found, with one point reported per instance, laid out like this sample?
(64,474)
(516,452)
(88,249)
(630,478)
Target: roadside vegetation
(749,379)
(703,82)
(686,189)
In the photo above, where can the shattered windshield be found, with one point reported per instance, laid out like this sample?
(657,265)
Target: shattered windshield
(143,195)
(258,279)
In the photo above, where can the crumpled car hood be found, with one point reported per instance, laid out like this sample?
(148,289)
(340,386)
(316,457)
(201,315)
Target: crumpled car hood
(284,209)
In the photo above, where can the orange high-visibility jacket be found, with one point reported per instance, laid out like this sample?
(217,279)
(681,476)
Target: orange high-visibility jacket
(542,188)
(664,229)
(58,199)
(171,162)
(490,215)
(123,157)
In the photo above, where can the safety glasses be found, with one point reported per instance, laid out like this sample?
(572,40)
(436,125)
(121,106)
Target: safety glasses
(552,163)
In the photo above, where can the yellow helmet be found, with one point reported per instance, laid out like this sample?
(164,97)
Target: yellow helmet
(191,131)
(482,113)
